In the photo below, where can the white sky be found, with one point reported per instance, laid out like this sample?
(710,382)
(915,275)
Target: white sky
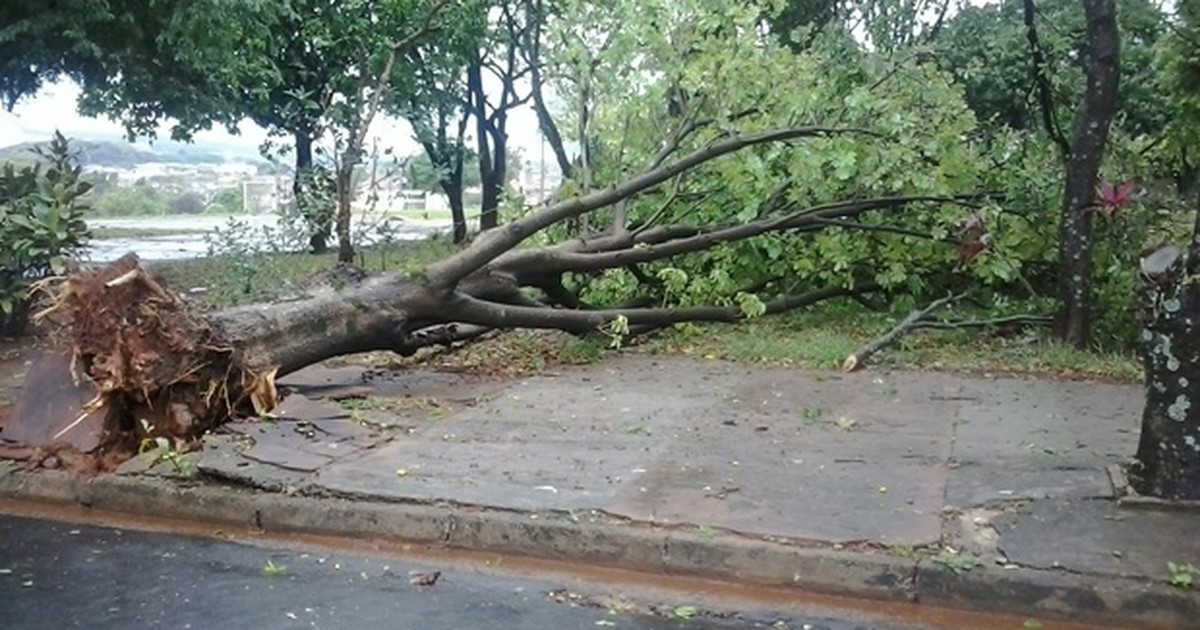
(36,118)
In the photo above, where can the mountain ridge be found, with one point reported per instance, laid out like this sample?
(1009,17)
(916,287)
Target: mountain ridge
(122,154)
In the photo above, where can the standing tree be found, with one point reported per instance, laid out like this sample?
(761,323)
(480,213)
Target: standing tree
(435,107)
(304,70)
(538,11)
(375,70)
(1082,156)
(502,60)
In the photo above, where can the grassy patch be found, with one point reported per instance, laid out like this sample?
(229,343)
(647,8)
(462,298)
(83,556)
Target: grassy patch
(822,337)
(229,280)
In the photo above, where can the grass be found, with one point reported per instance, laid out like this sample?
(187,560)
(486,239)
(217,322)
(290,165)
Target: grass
(823,337)
(228,280)
(819,338)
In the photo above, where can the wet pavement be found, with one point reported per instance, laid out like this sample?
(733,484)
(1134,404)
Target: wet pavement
(55,575)
(194,233)
(862,457)
(881,458)
(1003,473)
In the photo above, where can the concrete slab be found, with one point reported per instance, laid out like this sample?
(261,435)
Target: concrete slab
(1099,537)
(321,381)
(1019,439)
(571,476)
(703,443)
(997,481)
(1047,423)
(222,458)
(51,402)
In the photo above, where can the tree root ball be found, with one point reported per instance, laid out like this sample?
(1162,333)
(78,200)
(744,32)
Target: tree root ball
(159,369)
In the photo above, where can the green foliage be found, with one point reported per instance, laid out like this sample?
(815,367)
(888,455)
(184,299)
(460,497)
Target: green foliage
(1182,575)
(913,123)
(231,200)
(956,562)
(986,48)
(41,225)
(132,201)
(1178,66)
(421,174)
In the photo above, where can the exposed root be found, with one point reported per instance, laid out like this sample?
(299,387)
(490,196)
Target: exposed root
(159,369)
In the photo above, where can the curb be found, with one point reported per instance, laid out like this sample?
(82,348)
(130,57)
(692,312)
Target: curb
(630,546)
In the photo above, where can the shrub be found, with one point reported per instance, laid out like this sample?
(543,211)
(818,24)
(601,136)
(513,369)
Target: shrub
(41,224)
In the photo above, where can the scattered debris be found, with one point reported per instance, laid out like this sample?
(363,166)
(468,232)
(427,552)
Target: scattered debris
(417,578)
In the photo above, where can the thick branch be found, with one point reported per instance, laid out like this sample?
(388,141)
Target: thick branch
(481,312)
(325,323)
(444,275)
(546,261)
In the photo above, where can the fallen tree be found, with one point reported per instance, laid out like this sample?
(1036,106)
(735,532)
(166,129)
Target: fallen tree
(154,360)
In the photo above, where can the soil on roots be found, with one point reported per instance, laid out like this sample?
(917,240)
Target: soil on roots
(159,369)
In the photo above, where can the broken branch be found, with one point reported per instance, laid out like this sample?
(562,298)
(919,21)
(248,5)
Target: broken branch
(859,356)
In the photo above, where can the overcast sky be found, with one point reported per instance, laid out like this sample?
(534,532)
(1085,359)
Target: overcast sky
(36,118)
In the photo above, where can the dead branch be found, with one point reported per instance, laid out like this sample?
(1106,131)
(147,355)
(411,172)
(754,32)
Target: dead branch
(859,356)
(997,322)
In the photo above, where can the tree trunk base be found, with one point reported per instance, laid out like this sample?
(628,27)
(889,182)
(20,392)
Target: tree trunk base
(160,370)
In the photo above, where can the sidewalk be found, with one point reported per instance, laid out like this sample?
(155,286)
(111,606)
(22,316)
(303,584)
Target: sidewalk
(990,494)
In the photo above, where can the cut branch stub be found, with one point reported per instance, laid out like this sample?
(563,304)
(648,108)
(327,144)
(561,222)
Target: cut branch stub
(160,369)
(1168,455)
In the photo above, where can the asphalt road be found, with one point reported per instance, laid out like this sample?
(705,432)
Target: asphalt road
(58,575)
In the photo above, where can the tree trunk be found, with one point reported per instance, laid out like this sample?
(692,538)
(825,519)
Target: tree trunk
(458,215)
(1168,455)
(447,160)
(349,315)
(547,125)
(315,215)
(477,98)
(1073,324)
(345,182)
(493,186)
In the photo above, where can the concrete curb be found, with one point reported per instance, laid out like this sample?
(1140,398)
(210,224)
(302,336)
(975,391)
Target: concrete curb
(638,547)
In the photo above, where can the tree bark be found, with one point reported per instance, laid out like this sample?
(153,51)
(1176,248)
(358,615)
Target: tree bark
(549,129)
(458,213)
(315,217)
(345,211)
(488,215)
(362,315)
(1168,455)
(493,185)
(1073,323)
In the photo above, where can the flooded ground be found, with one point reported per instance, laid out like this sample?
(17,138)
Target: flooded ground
(188,237)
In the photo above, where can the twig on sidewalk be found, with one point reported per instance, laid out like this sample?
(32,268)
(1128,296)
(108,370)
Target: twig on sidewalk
(859,356)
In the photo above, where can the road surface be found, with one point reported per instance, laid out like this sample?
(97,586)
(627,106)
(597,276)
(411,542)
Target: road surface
(61,575)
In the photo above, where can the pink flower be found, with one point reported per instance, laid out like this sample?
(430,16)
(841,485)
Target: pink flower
(1113,198)
(970,224)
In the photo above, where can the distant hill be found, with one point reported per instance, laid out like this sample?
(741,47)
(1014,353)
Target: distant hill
(121,154)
